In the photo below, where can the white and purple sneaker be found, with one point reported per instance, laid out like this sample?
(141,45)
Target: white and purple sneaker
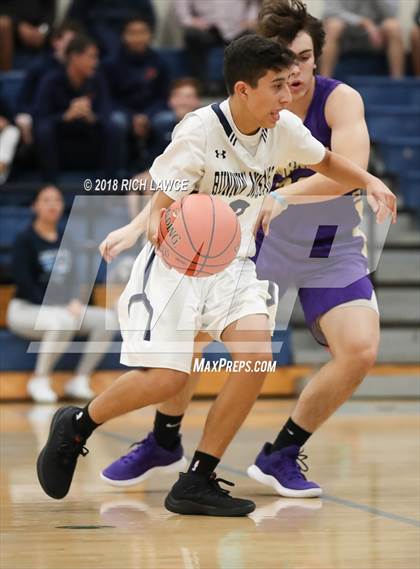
(282,471)
(146,459)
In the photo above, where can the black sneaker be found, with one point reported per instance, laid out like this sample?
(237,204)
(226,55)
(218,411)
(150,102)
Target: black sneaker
(196,495)
(57,460)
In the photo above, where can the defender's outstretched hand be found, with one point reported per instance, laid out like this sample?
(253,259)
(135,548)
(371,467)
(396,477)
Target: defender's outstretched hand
(118,241)
(381,200)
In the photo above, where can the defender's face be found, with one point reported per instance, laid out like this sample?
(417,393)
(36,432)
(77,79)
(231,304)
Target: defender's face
(301,81)
(270,96)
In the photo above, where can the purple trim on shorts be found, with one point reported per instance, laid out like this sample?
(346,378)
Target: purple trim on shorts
(317,301)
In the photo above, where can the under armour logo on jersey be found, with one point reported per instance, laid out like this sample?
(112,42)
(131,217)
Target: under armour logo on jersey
(239,206)
(220,153)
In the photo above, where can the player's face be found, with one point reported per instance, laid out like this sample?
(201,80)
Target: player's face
(49,205)
(271,95)
(301,81)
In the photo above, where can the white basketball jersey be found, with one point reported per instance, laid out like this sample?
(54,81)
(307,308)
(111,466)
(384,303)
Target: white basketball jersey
(212,156)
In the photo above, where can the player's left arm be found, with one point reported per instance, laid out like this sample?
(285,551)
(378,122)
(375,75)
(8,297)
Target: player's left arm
(349,137)
(348,174)
(350,141)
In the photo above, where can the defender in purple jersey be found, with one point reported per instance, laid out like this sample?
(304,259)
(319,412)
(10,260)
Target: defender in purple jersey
(344,318)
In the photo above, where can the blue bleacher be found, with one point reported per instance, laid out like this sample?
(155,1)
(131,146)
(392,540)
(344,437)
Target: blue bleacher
(385,91)
(391,120)
(410,188)
(400,155)
(14,356)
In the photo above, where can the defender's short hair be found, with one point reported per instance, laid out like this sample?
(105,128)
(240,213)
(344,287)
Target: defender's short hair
(282,20)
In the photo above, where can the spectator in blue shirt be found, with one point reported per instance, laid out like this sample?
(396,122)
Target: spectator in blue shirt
(72,114)
(105,19)
(138,80)
(60,38)
(24,24)
(42,259)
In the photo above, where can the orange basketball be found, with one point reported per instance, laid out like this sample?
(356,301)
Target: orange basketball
(199,235)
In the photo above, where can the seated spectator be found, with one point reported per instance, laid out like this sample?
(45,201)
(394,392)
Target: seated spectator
(211,24)
(138,81)
(184,97)
(60,38)
(104,20)
(23,24)
(415,42)
(9,138)
(35,253)
(378,18)
(72,116)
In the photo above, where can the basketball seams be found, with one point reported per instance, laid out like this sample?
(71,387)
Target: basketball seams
(196,266)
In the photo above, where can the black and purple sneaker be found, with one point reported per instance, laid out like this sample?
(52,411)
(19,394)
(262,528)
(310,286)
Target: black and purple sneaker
(146,459)
(283,470)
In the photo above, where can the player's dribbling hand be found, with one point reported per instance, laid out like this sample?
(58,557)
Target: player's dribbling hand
(118,241)
(270,209)
(382,201)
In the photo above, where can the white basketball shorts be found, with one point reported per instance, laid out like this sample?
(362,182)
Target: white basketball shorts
(160,310)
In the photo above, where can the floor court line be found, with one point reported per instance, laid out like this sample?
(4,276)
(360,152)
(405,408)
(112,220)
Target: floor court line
(342,501)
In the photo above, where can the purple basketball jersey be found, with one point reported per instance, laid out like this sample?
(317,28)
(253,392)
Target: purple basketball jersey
(295,235)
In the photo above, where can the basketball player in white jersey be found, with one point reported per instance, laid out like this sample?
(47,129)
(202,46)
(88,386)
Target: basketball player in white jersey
(244,139)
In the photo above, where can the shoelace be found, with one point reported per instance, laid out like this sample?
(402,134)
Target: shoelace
(69,451)
(132,455)
(293,467)
(214,483)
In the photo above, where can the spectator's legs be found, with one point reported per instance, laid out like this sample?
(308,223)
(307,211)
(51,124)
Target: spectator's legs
(116,130)
(6,43)
(56,329)
(9,138)
(47,141)
(334,29)
(415,50)
(198,44)
(101,325)
(392,31)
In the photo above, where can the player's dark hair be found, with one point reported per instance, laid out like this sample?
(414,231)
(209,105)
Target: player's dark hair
(250,57)
(79,44)
(282,20)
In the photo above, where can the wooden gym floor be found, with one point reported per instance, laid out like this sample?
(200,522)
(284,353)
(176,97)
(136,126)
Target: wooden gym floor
(366,457)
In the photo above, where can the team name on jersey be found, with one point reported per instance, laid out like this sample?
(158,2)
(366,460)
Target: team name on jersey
(251,184)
